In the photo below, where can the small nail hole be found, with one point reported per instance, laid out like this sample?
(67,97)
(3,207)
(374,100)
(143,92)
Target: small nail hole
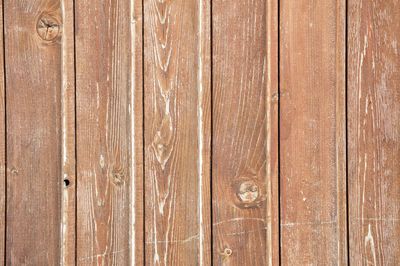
(66,182)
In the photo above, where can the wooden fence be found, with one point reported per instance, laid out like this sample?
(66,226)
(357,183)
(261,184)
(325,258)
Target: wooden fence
(199,132)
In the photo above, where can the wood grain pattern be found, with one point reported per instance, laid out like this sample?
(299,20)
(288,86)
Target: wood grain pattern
(136,235)
(245,191)
(374,132)
(68,163)
(312,133)
(177,132)
(108,99)
(33,70)
(2,145)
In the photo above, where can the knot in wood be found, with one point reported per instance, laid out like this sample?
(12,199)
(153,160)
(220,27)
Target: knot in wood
(248,191)
(117,177)
(227,252)
(48,27)
(14,171)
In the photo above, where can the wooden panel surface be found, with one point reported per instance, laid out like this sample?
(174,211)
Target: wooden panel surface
(33,58)
(312,132)
(244,166)
(177,132)
(374,132)
(136,233)
(2,145)
(199,132)
(108,115)
(68,154)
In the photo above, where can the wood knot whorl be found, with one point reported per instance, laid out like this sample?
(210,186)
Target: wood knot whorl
(249,193)
(14,171)
(227,252)
(48,27)
(118,177)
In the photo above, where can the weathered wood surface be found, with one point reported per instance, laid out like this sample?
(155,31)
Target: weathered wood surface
(2,145)
(244,155)
(177,132)
(33,56)
(374,132)
(312,132)
(68,159)
(156,132)
(108,70)
(136,235)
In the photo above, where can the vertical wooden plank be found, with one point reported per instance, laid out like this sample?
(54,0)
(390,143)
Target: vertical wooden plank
(33,70)
(204,127)
(245,154)
(374,132)
(108,84)
(136,137)
(312,133)
(68,164)
(2,144)
(177,131)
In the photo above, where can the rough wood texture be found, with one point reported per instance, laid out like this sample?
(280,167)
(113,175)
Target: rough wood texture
(177,131)
(33,58)
(245,199)
(374,132)
(68,163)
(159,144)
(136,235)
(312,132)
(108,97)
(2,145)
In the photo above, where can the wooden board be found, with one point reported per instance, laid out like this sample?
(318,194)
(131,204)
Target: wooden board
(108,85)
(2,145)
(244,154)
(199,132)
(312,132)
(68,152)
(136,140)
(374,132)
(177,132)
(33,70)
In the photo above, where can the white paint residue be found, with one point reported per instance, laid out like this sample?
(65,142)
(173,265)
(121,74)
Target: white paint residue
(292,224)
(183,241)
(64,202)
(369,241)
(97,96)
(362,55)
(156,258)
(268,131)
(239,219)
(64,222)
(132,106)
(132,113)
(101,161)
(64,87)
(200,133)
